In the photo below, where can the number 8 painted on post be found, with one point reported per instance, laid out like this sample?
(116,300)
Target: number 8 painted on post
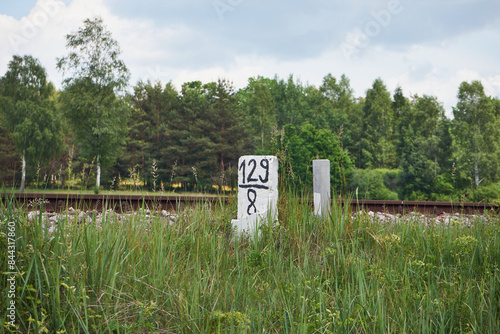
(252,201)
(257,191)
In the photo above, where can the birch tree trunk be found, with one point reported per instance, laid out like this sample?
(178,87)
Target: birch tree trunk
(98,178)
(476,172)
(23,177)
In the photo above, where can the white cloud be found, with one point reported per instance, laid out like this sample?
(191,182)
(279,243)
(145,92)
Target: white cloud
(42,32)
(420,49)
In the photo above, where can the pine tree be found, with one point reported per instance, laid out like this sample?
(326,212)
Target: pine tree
(228,132)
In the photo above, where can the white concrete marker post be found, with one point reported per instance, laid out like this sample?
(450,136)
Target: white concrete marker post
(257,192)
(321,187)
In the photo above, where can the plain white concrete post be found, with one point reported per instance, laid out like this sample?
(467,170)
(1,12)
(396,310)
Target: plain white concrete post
(321,187)
(257,192)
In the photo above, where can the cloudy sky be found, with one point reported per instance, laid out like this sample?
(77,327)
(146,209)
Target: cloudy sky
(425,46)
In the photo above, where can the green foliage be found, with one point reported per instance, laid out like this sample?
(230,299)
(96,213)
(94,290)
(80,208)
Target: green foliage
(28,112)
(207,136)
(476,134)
(444,190)
(259,106)
(304,145)
(340,93)
(422,147)
(154,111)
(226,131)
(10,163)
(35,129)
(374,184)
(291,104)
(487,193)
(99,120)
(96,75)
(95,57)
(190,148)
(343,115)
(378,147)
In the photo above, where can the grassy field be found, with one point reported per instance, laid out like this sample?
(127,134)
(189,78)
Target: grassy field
(305,275)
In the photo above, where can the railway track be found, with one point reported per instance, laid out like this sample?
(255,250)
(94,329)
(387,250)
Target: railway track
(428,208)
(57,202)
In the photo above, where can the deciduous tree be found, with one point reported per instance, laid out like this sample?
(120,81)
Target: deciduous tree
(378,128)
(476,133)
(422,146)
(258,104)
(306,144)
(94,76)
(29,111)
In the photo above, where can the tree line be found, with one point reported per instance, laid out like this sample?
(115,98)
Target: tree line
(97,134)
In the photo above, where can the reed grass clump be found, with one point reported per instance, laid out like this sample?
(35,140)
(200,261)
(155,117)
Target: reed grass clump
(344,273)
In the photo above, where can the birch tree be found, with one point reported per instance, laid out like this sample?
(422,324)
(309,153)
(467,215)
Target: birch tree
(29,113)
(95,76)
(476,133)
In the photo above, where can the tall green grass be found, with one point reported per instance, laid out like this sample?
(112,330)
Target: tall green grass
(303,275)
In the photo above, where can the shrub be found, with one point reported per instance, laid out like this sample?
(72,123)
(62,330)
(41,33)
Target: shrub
(374,183)
(487,194)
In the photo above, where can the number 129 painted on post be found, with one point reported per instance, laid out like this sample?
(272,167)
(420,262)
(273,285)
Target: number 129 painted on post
(251,181)
(246,181)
